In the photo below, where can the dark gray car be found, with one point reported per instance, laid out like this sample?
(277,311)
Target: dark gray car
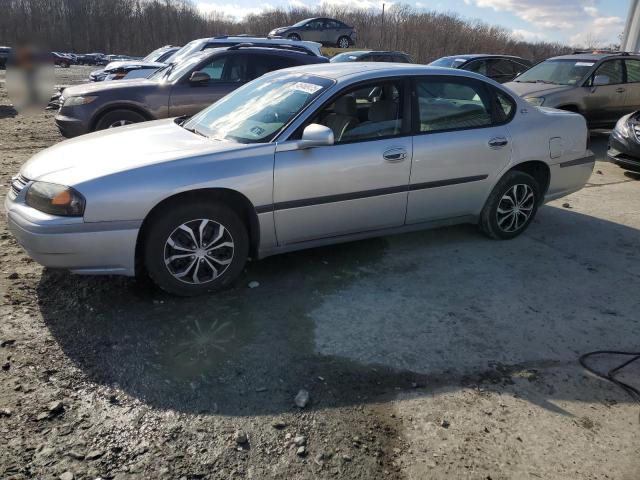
(501,68)
(173,91)
(372,56)
(327,31)
(601,86)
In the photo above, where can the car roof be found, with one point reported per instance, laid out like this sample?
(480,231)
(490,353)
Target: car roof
(473,56)
(211,52)
(344,70)
(366,52)
(594,57)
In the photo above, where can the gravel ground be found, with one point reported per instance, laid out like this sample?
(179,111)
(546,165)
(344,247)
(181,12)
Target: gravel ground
(438,354)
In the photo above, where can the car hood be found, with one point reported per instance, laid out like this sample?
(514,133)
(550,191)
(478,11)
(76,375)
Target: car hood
(533,89)
(129,65)
(107,152)
(91,88)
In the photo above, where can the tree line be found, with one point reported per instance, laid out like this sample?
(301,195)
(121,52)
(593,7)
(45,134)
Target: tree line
(136,27)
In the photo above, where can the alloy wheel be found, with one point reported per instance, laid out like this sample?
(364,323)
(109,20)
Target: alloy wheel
(198,251)
(343,43)
(515,208)
(120,123)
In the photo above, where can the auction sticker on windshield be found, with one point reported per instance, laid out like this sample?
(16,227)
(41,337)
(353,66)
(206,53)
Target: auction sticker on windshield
(585,64)
(305,87)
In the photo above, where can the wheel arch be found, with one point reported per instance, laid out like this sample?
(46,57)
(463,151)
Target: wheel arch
(539,170)
(118,106)
(230,198)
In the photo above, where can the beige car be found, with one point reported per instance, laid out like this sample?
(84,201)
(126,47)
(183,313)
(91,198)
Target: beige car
(327,31)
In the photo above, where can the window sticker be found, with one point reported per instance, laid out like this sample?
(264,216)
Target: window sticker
(309,88)
(585,64)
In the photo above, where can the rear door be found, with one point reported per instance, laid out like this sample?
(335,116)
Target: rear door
(632,85)
(461,143)
(227,72)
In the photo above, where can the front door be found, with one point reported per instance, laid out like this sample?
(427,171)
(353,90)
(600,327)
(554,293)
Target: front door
(226,72)
(604,104)
(358,184)
(459,147)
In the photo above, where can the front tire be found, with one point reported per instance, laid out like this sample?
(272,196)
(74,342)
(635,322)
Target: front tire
(511,206)
(119,118)
(195,248)
(294,36)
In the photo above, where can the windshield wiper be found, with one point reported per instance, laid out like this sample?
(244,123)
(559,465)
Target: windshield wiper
(194,130)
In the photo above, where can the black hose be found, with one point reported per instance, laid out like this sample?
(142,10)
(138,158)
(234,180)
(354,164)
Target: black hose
(632,391)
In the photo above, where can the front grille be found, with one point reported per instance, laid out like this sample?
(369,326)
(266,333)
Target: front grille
(17,184)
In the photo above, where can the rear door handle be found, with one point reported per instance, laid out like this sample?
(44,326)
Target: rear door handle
(395,155)
(621,90)
(498,142)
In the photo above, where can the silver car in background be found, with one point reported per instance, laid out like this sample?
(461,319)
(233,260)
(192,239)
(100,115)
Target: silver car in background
(297,158)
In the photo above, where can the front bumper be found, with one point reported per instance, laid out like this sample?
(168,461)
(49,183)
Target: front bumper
(106,248)
(70,127)
(624,152)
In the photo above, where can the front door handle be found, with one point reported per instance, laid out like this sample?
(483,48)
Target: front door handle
(395,155)
(620,90)
(498,142)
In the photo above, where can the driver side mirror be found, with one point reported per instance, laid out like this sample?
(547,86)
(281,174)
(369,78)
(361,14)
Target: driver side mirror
(199,77)
(314,135)
(600,80)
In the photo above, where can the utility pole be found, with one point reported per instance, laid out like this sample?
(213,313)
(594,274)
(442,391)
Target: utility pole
(631,36)
(382,29)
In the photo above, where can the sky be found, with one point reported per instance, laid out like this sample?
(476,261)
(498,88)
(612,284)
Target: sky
(574,22)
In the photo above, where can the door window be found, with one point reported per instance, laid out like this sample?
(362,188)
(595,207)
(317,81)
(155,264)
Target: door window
(478,66)
(314,25)
(633,71)
(370,112)
(500,69)
(452,104)
(332,24)
(235,69)
(262,64)
(215,68)
(612,69)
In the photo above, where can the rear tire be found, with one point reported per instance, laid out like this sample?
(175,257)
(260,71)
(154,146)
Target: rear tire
(118,118)
(511,206)
(343,42)
(195,248)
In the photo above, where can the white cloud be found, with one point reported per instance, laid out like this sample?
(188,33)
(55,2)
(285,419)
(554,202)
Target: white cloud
(580,19)
(528,35)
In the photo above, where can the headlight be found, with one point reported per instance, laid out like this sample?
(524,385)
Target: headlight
(73,101)
(535,101)
(622,127)
(55,199)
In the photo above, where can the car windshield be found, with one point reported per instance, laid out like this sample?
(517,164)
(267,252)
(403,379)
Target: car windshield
(154,55)
(557,72)
(257,111)
(301,22)
(346,57)
(175,70)
(449,62)
(188,49)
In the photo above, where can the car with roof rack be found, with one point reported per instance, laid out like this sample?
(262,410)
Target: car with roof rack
(298,158)
(601,85)
(501,68)
(178,89)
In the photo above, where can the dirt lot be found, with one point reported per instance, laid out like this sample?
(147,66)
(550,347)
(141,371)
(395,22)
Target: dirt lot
(438,354)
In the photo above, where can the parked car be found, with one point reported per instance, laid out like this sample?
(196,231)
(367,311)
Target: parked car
(119,69)
(372,56)
(601,86)
(96,59)
(178,89)
(624,142)
(5,53)
(292,161)
(501,68)
(60,59)
(327,31)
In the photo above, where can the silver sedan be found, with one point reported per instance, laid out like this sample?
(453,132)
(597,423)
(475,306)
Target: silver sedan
(298,158)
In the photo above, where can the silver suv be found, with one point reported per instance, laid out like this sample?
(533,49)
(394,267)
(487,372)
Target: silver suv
(601,86)
(298,158)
